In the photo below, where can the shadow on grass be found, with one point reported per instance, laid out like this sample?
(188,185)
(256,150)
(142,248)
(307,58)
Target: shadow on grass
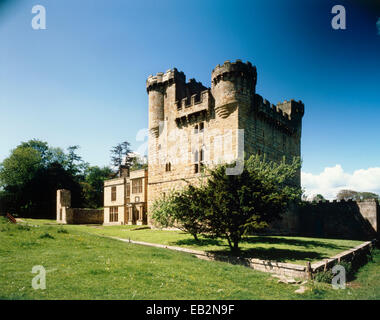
(200,242)
(273,254)
(293,242)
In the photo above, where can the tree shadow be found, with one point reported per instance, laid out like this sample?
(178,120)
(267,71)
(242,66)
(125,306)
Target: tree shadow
(274,254)
(201,242)
(293,242)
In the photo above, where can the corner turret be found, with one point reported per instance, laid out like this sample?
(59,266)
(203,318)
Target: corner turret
(156,87)
(233,84)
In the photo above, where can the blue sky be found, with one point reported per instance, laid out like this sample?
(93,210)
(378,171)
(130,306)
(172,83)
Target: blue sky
(82,80)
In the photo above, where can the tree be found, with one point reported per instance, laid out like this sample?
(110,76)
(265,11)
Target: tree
(121,153)
(138,163)
(93,185)
(346,194)
(181,209)
(318,197)
(246,203)
(355,195)
(33,172)
(74,163)
(20,167)
(232,206)
(48,154)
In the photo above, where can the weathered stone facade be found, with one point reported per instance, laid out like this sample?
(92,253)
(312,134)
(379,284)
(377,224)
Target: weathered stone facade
(125,199)
(192,126)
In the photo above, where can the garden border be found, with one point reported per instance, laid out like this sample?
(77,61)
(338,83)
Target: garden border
(280,268)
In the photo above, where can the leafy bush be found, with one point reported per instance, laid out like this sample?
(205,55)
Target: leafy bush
(324,276)
(181,209)
(328,275)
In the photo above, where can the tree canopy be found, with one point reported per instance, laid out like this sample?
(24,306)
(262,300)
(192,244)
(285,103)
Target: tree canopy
(231,206)
(356,195)
(31,174)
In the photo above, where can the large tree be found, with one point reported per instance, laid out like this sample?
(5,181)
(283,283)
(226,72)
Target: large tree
(33,172)
(231,206)
(93,185)
(244,204)
(121,154)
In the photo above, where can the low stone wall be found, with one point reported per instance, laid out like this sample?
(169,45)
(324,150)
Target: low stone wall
(347,256)
(280,268)
(84,216)
(354,220)
(68,215)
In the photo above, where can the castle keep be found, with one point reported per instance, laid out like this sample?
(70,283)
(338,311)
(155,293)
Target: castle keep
(192,126)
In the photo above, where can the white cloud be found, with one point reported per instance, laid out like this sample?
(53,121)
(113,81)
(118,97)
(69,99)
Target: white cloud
(333,179)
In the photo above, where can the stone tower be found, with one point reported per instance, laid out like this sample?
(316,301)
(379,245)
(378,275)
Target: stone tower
(192,126)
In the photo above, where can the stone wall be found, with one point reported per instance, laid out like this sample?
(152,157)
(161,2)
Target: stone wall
(68,215)
(84,216)
(336,219)
(190,124)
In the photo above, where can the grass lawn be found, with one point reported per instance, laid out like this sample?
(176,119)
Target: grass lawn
(283,249)
(84,266)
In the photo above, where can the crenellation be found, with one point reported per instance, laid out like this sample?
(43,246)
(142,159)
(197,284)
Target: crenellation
(209,119)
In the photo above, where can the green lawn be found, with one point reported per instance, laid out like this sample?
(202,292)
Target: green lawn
(84,266)
(283,249)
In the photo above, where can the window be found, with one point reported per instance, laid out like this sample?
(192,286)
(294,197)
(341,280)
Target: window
(201,126)
(198,160)
(114,214)
(128,192)
(168,167)
(196,156)
(113,194)
(196,129)
(137,185)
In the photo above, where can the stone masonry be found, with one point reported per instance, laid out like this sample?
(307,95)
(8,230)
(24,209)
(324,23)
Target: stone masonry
(192,126)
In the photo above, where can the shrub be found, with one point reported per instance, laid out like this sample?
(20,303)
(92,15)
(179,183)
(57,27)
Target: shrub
(324,276)
(46,235)
(327,276)
(181,209)
(61,230)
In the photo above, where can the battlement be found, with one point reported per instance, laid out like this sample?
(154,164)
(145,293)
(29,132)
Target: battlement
(197,98)
(238,69)
(295,109)
(161,78)
(274,114)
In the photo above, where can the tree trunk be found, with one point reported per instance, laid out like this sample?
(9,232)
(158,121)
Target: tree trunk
(229,242)
(236,248)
